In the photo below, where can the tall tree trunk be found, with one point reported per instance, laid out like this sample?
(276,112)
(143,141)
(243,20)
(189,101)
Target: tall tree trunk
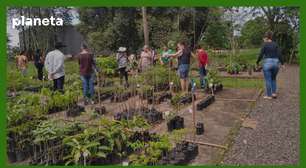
(145,25)
(24,47)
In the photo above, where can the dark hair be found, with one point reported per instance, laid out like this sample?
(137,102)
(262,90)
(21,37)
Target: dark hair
(84,46)
(198,47)
(38,50)
(269,35)
(182,43)
(22,52)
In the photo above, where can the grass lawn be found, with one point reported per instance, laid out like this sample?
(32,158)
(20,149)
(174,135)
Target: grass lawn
(248,56)
(242,83)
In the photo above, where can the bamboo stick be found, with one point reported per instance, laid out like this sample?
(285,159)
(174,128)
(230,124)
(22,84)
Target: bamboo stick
(208,144)
(233,99)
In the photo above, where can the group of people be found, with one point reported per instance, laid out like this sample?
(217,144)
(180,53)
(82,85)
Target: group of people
(183,55)
(54,65)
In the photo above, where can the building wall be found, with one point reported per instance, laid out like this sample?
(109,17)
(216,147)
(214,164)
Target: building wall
(68,35)
(72,38)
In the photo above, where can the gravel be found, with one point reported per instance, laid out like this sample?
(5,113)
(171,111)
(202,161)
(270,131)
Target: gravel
(275,141)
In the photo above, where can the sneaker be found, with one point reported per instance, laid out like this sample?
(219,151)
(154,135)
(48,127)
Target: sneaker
(267,97)
(274,95)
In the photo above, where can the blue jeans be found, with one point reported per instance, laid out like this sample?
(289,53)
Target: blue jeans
(183,71)
(58,84)
(270,70)
(88,85)
(202,72)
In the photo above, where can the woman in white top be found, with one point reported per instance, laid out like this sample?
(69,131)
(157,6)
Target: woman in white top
(145,58)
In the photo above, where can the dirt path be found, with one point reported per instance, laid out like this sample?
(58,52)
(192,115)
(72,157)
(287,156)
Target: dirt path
(275,140)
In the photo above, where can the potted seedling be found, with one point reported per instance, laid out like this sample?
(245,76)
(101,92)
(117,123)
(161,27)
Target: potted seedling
(175,121)
(214,83)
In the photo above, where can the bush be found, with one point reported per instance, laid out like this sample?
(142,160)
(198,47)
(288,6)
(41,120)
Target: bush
(108,65)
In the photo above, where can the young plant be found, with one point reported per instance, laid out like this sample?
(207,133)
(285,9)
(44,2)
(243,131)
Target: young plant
(84,146)
(152,152)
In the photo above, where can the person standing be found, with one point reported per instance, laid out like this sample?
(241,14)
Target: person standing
(22,63)
(87,69)
(271,55)
(54,64)
(145,58)
(122,61)
(203,61)
(154,56)
(164,60)
(183,55)
(39,64)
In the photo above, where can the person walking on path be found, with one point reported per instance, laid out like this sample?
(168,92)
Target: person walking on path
(54,64)
(145,58)
(39,64)
(122,61)
(87,69)
(183,55)
(202,57)
(22,63)
(271,55)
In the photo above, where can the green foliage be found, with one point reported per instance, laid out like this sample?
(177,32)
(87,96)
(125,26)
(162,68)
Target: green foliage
(152,152)
(46,131)
(212,77)
(176,37)
(110,28)
(233,68)
(242,83)
(253,31)
(217,31)
(110,137)
(158,76)
(175,102)
(83,146)
(177,135)
(108,65)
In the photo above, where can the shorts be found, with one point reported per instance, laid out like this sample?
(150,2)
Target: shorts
(183,71)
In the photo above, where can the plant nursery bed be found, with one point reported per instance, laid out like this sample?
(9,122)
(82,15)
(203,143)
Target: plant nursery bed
(216,88)
(75,110)
(205,102)
(219,119)
(181,154)
(159,97)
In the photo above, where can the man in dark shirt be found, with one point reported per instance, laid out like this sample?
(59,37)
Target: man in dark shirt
(39,64)
(87,68)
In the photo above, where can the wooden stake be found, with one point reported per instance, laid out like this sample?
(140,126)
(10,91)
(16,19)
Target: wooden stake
(233,99)
(208,144)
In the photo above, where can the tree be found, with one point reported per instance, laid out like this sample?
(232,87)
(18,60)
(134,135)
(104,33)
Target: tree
(145,25)
(42,37)
(216,34)
(253,31)
(284,23)
(110,28)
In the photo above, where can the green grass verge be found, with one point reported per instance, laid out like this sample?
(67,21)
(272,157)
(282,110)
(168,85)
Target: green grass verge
(242,83)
